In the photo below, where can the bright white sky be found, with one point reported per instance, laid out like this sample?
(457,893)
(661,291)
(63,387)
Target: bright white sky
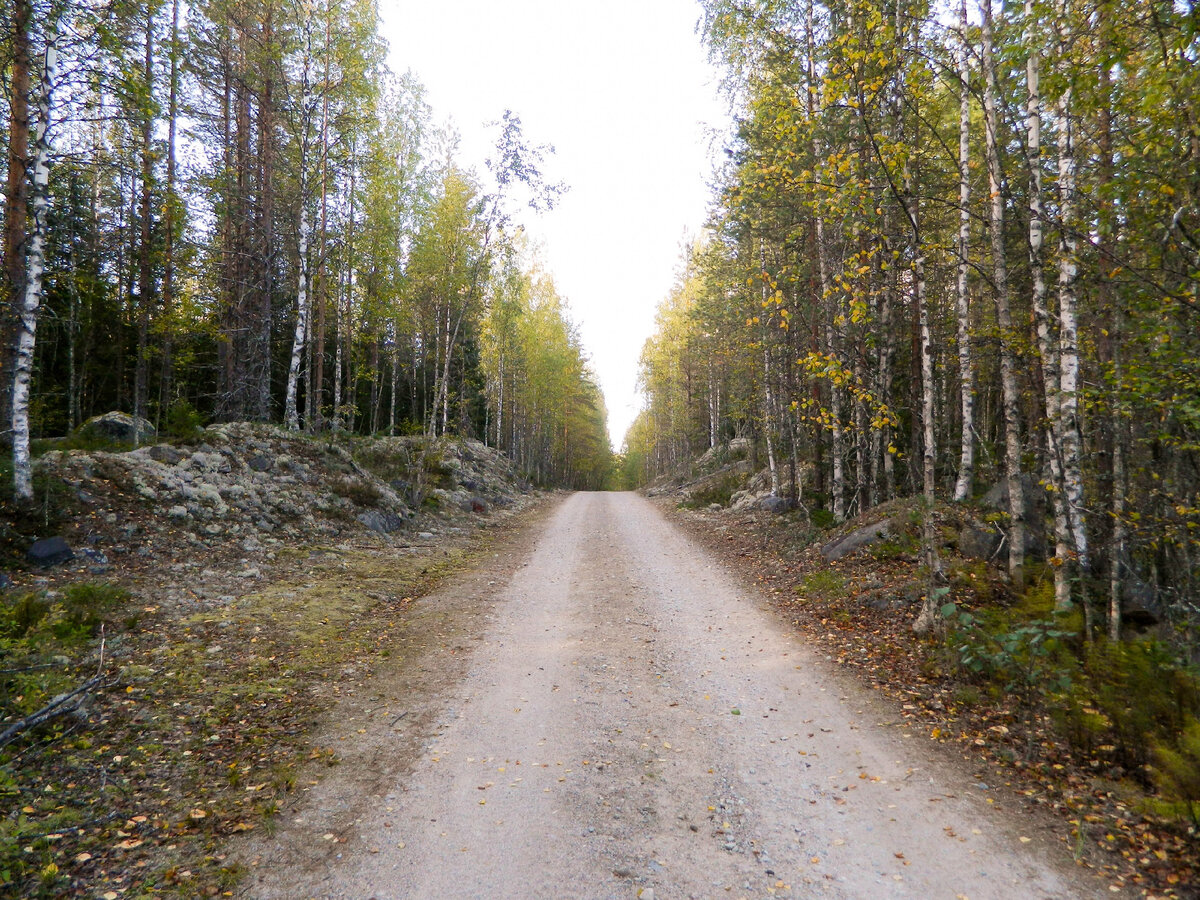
(623,91)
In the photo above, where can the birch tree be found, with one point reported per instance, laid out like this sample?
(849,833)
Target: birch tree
(35,263)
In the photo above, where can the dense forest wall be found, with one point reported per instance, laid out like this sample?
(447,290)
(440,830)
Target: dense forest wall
(953,247)
(246,216)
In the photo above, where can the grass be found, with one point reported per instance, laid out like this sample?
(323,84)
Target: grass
(201,727)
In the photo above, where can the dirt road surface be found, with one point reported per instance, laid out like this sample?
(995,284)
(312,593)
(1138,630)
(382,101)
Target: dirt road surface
(608,713)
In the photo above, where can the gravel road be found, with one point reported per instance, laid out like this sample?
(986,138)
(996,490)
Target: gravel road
(613,715)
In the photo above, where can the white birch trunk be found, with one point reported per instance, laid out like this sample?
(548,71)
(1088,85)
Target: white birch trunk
(1070,441)
(966,465)
(35,265)
(927,619)
(1046,340)
(1008,337)
(299,338)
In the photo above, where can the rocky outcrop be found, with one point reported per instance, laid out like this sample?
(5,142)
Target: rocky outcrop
(244,480)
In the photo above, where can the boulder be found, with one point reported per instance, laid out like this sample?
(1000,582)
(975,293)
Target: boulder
(774,504)
(856,540)
(980,541)
(1141,606)
(120,427)
(260,462)
(380,521)
(49,552)
(165,454)
(990,542)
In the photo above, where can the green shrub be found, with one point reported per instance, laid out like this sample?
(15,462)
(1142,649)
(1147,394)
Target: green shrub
(1177,768)
(357,490)
(23,615)
(1131,698)
(822,518)
(385,462)
(824,584)
(182,421)
(1031,660)
(88,605)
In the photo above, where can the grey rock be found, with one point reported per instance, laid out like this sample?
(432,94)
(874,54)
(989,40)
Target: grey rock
(165,454)
(95,558)
(980,541)
(1142,605)
(380,521)
(119,426)
(49,552)
(856,540)
(775,505)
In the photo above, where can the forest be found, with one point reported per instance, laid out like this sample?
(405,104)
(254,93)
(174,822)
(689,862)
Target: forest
(954,247)
(232,210)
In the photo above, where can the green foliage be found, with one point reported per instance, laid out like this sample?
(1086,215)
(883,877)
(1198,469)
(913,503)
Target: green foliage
(1177,769)
(822,518)
(386,460)
(357,490)
(823,584)
(1130,704)
(19,617)
(182,421)
(1030,659)
(1127,700)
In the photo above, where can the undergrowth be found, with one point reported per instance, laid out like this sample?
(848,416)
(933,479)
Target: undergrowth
(1129,708)
(198,729)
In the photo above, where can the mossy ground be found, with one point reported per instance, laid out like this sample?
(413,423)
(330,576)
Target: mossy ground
(203,723)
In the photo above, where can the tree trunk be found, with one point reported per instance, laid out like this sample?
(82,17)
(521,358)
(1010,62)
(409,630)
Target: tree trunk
(1008,338)
(168,288)
(35,261)
(966,465)
(16,196)
(1047,345)
(141,389)
(291,413)
(1070,440)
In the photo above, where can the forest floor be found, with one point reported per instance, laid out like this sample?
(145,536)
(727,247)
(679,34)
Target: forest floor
(1100,817)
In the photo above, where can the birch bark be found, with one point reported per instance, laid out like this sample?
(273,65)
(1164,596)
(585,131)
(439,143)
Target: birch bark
(35,269)
(1070,438)
(966,465)
(1008,363)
